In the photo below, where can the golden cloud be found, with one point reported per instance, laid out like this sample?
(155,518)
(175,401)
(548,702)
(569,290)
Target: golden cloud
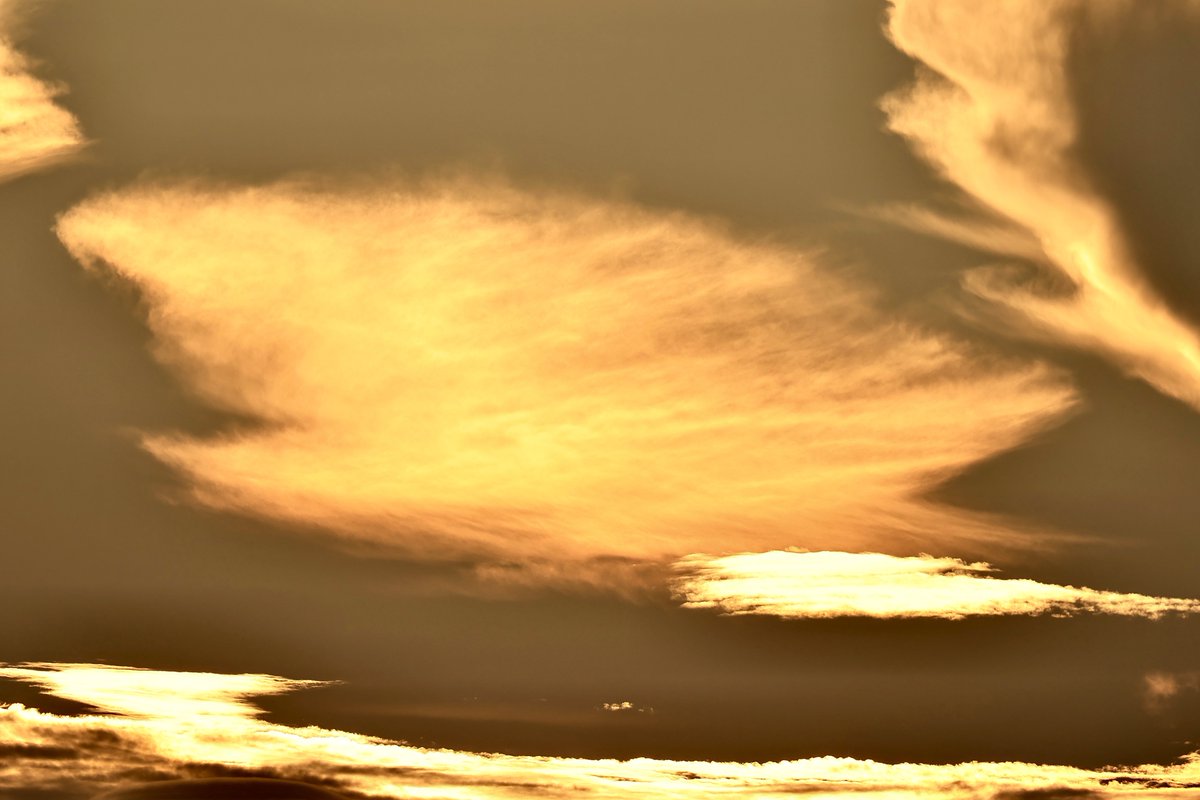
(995,113)
(800,585)
(1162,688)
(107,752)
(34,131)
(471,370)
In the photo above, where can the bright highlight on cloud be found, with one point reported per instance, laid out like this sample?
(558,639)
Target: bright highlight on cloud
(997,114)
(801,585)
(80,756)
(34,132)
(625,706)
(474,371)
(145,694)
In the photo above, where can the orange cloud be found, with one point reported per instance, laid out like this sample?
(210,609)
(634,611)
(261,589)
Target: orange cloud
(469,370)
(147,694)
(994,112)
(801,585)
(34,132)
(106,752)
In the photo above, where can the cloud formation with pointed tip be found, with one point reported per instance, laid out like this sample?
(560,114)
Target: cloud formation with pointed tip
(817,585)
(473,370)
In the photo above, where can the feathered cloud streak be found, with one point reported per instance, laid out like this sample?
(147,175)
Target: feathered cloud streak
(995,112)
(799,585)
(34,132)
(78,756)
(465,370)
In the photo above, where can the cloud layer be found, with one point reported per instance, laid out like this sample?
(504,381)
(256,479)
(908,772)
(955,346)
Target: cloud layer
(34,131)
(998,112)
(800,585)
(79,756)
(459,370)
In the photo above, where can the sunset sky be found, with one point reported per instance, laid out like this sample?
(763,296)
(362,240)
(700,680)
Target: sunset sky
(488,399)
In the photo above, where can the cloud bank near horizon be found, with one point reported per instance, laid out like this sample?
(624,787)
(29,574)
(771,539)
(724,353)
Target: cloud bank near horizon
(817,585)
(34,131)
(143,747)
(1001,110)
(468,370)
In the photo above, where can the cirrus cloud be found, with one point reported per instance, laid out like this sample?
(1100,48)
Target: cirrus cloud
(465,370)
(997,110)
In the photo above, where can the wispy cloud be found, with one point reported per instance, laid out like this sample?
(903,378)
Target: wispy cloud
(223,789)
(34,131)
(471,370)
(1161,688)
(996,111)
(625,706)
(801,585)
(112,752)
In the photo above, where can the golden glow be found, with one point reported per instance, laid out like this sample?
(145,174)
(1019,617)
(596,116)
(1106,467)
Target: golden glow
(996,118)
(168,741)
(34,131)
(1162,688)
(800,585)
(465,369)
(147,694)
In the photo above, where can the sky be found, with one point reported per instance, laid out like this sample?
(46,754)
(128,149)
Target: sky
(614,398)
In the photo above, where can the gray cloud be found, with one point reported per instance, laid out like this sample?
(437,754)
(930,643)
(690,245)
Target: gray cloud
(1049,793)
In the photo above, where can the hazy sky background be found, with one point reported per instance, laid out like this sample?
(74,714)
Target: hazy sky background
(763,119)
